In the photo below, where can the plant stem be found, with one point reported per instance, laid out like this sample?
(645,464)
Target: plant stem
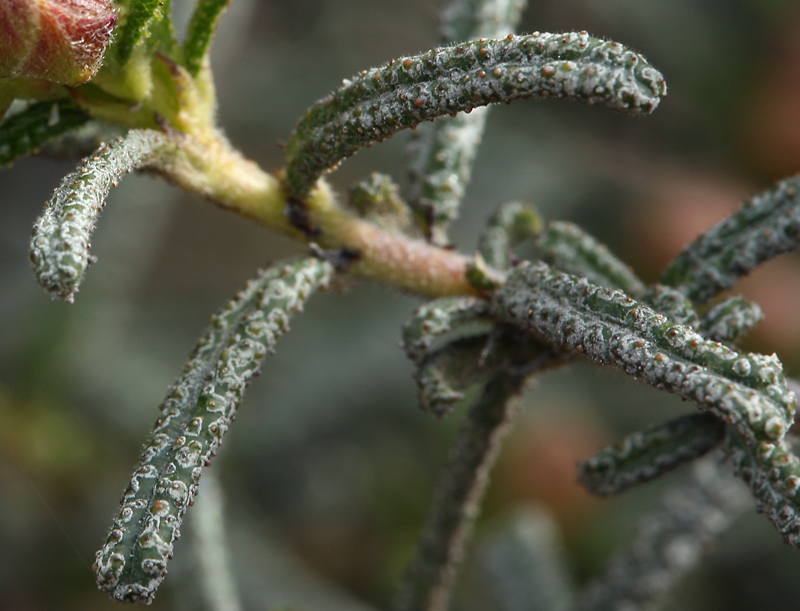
(429,579)
(208,166)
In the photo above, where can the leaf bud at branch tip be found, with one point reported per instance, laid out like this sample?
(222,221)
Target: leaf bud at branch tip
(57,40)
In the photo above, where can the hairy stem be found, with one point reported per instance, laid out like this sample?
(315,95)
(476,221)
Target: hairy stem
(208,166)
(430,576)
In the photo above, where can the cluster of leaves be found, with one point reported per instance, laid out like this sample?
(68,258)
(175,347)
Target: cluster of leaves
(575,301)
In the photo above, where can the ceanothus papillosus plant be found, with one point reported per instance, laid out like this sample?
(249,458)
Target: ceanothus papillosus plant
(91,62)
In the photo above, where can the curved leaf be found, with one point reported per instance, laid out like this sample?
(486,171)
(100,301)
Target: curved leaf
(200,32)
(651,453)
(380,102)
(62,234)
(767,225)
(436,318)
(744,389)
(444,373)
(197,412)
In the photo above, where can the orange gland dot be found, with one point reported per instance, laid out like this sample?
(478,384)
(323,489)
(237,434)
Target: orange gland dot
(408,63)
(419,102)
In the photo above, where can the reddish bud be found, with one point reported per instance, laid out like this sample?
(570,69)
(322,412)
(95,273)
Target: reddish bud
(57,40)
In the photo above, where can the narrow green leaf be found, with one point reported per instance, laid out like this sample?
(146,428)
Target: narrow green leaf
(729,320)
(513,223)
(670,541)
(766,226)
(380,102)
(651,453)
(441,156)
(569,248)
(197,412)
(672,303)
(200,32)
(744,389)
(430,576)
(136,27)
(25,132)
(62,234)
(772,471)
(436,318)
(525,564)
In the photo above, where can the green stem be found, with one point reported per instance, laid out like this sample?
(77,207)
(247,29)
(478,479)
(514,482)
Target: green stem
(208,166)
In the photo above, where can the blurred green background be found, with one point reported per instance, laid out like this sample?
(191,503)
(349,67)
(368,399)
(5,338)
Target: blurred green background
(330,467)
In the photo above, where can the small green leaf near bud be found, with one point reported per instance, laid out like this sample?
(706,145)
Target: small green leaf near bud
(481,276)
(378,199)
